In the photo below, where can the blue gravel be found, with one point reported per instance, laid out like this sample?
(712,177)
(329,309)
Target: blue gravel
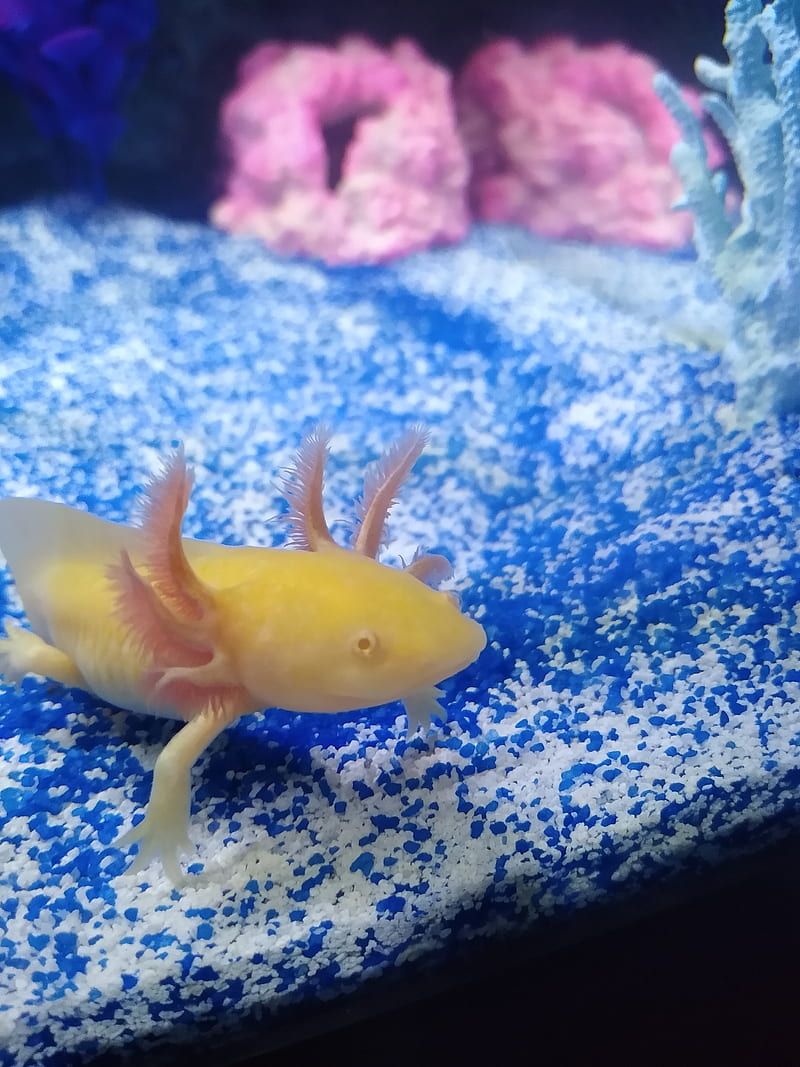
(631,555)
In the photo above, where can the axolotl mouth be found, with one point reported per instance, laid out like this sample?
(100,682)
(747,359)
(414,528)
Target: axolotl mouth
(480,642)
(471,642)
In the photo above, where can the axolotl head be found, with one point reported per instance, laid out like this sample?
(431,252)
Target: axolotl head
(353,633)
(322,629)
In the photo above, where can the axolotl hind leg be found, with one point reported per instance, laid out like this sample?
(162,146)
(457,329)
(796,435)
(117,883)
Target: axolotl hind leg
(23,653)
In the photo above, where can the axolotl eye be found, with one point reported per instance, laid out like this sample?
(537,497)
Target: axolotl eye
(365,643)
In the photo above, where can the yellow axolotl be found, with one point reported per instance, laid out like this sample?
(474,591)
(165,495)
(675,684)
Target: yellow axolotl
(153,622)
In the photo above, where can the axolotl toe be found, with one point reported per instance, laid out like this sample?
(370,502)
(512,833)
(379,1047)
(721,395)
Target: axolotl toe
(154,622)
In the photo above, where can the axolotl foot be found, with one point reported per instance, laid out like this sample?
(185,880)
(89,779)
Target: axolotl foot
(159,838)
(163,833)
(16,653)
(23,653)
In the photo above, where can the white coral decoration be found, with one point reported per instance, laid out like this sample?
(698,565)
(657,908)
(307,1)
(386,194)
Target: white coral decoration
(755,101)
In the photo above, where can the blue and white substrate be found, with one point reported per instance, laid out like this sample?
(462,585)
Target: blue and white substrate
(635,564)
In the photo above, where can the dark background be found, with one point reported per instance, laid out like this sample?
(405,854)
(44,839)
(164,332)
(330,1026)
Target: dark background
(709,979)
(169,155)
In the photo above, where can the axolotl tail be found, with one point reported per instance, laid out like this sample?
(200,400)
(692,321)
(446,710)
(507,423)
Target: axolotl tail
(36,533)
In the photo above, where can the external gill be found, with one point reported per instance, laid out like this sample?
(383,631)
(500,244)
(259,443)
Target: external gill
(302,487)
(381,486)
(171,613)
(430,569)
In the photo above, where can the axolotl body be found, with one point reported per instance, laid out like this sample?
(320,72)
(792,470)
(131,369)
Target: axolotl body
(154,622)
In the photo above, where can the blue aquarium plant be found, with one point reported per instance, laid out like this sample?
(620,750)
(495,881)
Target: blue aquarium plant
(72,61)
(755,101)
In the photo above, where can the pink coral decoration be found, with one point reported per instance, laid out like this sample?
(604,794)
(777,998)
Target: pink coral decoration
(398,185)
(572,142)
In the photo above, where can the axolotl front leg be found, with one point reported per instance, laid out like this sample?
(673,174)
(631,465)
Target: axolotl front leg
(171,615)
(164,832)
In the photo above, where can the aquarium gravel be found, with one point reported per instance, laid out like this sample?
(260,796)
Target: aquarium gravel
(632,556)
